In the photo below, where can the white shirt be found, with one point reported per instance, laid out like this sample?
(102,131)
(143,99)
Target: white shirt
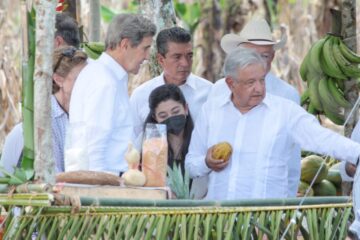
(355,135)
(14,142)
(100,118)
(195,90)
(277,87)
(258,167)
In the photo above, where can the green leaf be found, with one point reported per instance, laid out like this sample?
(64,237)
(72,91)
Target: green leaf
(106,14)
(180,8)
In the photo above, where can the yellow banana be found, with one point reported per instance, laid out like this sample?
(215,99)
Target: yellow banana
(329,65)
(348,54)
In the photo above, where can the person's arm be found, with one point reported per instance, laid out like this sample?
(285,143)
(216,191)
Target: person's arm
(195,159)
(136,118)
(13,147)
(311,136)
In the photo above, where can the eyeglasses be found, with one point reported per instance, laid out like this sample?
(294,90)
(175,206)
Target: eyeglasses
(69,52)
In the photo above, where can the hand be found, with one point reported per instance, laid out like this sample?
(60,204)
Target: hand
(350,169)
(215,164)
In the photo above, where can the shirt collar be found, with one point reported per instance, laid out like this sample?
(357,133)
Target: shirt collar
(227,99)
(190,81)
(56,110)
(114,66)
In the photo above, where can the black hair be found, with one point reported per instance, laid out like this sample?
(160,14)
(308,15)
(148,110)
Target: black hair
(67,28)
(174,34)
(164,93)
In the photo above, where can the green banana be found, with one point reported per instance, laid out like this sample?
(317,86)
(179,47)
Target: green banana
(304,67)
(305,96)
(348,68)
(348,54)
(334,116)
(315,55)
(337,94)
(311,109)
(313,87)
(326,96)
(329,65)
(340,83)
(90,52)
(97,47)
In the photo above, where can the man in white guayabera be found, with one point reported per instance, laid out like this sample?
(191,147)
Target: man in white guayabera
(258,126)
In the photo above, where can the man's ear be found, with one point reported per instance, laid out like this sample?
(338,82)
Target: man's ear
(58,79)
(160,58)
(59,41)
(124,43)
(230,82)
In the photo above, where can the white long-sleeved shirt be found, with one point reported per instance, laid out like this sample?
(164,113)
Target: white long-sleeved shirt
(100,118)
(195,90)
(14,142)
(277,87)
(261,141)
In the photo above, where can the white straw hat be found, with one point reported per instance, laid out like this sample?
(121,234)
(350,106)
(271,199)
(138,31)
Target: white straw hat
(257,32)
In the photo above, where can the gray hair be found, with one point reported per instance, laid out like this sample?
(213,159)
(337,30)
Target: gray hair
(240,59)
(132,26)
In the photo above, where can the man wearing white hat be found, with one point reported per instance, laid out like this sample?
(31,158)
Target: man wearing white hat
(257,35)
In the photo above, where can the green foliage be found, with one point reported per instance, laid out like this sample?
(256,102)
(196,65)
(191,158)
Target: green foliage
(178,183)
(190,13)
(107,14)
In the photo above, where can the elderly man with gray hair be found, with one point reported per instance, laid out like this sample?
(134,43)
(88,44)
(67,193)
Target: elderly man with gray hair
(100,119)
(258,126)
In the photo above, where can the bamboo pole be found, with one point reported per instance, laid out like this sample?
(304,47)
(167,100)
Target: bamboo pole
(45,25)
(90,201)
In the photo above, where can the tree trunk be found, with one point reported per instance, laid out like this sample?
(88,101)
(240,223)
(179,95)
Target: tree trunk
(44,162)
(162,14)
(209,54)
(95,20)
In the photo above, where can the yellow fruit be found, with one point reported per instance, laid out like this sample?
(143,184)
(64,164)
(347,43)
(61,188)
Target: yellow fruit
(222,150)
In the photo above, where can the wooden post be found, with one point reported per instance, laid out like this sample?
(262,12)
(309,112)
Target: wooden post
(44,165)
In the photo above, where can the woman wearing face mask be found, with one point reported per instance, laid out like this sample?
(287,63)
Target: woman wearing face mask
(168,106)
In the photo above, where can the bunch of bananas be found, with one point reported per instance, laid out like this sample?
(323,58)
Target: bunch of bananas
(93,49)
(326,68)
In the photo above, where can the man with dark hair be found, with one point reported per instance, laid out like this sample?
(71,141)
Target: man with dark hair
(100,123)
(66,31)
(175,55)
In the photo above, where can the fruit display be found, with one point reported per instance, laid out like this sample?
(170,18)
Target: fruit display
(93,49)
(222,150)
(328,180)
(326,68)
